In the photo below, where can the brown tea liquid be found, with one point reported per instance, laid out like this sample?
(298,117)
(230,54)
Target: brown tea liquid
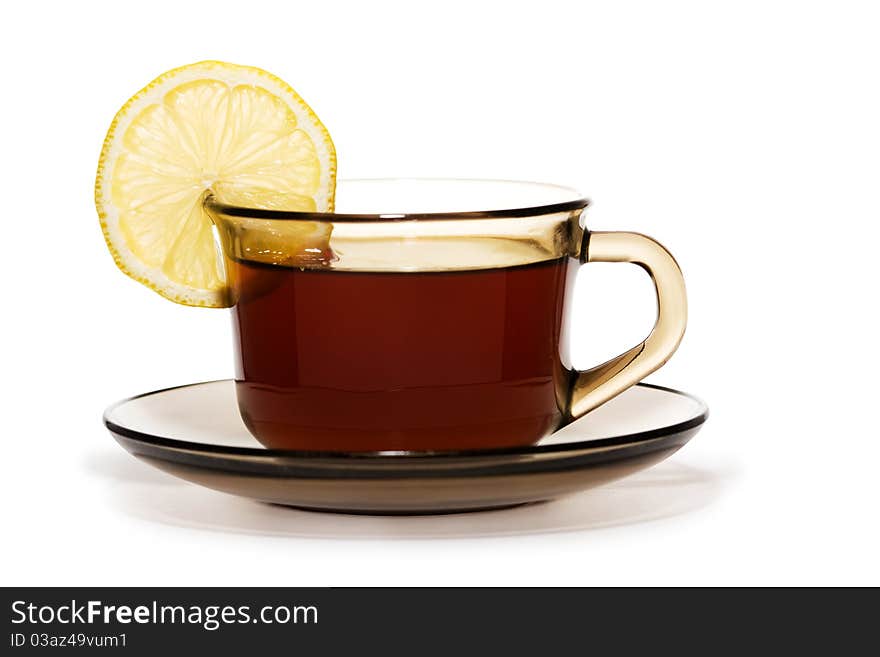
(333,360)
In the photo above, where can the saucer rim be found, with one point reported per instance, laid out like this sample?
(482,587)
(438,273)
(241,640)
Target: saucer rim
(635,438)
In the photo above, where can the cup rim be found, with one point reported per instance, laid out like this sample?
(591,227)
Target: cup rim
(576,202)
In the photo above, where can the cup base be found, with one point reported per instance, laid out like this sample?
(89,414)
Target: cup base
(510,433)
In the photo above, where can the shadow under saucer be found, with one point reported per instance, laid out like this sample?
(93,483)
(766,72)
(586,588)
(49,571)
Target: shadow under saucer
(667,490)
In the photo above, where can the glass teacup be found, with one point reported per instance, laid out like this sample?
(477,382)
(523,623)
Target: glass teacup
(425,315)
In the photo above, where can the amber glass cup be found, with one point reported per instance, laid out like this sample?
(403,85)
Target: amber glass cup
(425,315)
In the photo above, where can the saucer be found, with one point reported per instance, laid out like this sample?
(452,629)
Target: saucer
(194,432)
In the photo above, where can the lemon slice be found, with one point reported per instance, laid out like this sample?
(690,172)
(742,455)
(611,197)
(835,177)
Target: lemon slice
(236,131)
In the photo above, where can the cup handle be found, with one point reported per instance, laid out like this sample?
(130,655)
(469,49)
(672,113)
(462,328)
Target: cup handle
(595,386)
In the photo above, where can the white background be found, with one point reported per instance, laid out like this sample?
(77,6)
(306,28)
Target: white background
(743,135)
